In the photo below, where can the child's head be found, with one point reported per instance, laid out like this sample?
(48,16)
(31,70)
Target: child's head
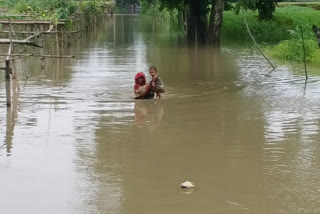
(153,71)
(140,78)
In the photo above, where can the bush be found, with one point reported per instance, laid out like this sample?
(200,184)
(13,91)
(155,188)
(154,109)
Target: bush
(271,31)
(292,50)
(54,9)
(94,7)
(45,9)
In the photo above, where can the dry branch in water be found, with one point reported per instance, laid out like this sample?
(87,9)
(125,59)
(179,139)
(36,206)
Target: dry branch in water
(258,47)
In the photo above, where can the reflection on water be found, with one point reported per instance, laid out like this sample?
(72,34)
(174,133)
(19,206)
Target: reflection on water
(148,114)
(76,142)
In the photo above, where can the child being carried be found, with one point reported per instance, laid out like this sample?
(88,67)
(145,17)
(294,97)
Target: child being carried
(156,84)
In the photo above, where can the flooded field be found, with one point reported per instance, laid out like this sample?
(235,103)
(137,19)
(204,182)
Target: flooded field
(76,142)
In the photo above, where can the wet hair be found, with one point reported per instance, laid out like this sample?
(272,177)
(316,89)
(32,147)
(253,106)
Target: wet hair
(153,68)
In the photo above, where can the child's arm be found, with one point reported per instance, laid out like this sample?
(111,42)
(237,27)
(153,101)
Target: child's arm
(157,85)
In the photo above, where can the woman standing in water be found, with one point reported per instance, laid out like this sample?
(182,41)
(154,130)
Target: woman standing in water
(141,89)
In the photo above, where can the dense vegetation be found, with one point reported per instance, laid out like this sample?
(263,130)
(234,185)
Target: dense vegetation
(281,36)
(203,18)
(53,9)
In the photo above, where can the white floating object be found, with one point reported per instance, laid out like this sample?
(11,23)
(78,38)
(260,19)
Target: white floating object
(187,184)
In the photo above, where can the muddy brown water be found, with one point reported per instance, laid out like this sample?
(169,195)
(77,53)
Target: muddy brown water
(76,141)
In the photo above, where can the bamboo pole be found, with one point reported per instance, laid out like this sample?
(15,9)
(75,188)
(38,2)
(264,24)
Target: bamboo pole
(14,73)
(37,55)
(304,54)
(14,35)
(7,73)
(9,131)
(44,32)
(15,58)
(42,49)
(17,15)
(19,42)
(7,77)
(257,44)
(8,83)
(29,22)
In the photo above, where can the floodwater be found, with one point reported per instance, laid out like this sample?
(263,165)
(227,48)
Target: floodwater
(76,142)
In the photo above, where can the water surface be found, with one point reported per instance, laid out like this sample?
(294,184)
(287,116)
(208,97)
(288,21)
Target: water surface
(76,142)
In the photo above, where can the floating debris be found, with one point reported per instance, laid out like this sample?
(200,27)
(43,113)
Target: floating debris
(187,184)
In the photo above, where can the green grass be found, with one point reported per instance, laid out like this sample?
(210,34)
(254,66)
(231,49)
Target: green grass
(280,37)
(270,31)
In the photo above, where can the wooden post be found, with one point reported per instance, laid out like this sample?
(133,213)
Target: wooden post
(7,78)
(14,70)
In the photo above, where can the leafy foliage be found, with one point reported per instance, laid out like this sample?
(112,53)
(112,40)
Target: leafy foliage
(44,8)
(53,9)
(94,7)
(266,8)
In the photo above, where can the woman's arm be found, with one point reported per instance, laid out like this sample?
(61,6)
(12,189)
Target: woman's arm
(142,91)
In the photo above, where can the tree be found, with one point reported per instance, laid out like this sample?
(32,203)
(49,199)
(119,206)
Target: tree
(196,13)
(215,23)
(264,7)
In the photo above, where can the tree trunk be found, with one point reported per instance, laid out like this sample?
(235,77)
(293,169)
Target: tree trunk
(191,28)
(196,22)
(215,25)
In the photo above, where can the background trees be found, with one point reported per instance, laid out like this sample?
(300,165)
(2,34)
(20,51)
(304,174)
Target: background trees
(203,18)
(264,7)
